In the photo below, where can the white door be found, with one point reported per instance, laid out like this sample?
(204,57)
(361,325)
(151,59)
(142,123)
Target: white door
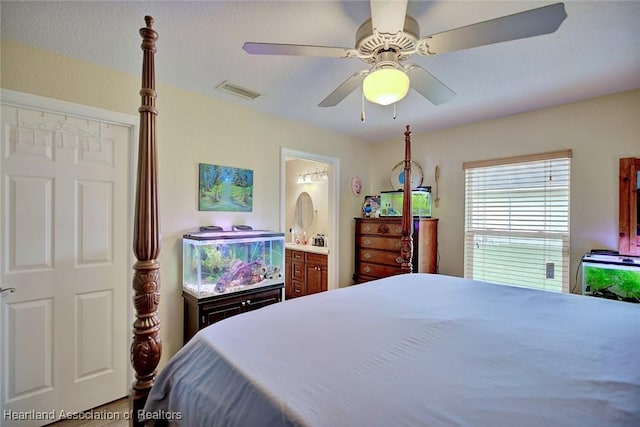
(65,249)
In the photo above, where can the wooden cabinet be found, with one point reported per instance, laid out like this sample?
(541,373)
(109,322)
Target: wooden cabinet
(316,273)
(629,211)
(306,273)
(377,247)
(199,313)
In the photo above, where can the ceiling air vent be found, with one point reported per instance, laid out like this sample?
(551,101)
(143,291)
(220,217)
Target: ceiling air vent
(236,90)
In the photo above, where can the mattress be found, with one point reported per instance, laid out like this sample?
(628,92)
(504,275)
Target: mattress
(411,350)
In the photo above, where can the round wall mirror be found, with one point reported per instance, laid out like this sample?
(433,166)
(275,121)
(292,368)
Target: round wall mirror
(304,211)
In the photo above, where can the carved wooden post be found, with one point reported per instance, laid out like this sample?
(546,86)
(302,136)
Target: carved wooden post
(146,347)
(406,241)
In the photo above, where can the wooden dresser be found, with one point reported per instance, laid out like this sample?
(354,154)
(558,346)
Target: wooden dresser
(377,247)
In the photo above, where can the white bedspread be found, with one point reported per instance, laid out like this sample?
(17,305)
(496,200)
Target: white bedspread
(413,350)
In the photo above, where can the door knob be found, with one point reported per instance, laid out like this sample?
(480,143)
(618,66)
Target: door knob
(12,290)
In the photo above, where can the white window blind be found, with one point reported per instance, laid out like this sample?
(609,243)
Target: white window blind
(517,220)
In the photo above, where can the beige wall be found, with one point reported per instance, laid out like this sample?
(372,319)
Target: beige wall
(194,129)
(599,131)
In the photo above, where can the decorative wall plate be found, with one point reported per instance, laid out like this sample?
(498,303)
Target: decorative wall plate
(397,175)
(356,185)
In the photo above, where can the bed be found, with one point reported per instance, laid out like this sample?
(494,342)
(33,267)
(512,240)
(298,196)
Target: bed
(412,350)
(407,350)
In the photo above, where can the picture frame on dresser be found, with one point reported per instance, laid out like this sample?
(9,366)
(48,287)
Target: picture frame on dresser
(370,206)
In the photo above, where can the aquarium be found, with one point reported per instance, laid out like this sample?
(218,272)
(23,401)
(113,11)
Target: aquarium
(611,276)
(222,262)
(391,202)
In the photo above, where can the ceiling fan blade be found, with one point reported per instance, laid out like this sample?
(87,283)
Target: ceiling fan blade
(534,22)
(297,50)
(428,86)
(342,91)
(387,16)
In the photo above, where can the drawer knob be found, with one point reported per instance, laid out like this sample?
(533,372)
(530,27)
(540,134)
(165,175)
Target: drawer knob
(367,269)
(367,228)
(367,255)
(398,244)
(399,260)
(398,229)
(367,241)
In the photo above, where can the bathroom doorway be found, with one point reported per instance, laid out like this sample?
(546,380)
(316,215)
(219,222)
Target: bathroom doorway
(316,175)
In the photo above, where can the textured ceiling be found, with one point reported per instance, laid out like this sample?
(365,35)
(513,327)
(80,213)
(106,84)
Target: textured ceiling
(596,51)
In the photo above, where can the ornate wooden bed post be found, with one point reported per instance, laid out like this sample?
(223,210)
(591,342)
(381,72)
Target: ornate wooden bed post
(146,347)
(406,241)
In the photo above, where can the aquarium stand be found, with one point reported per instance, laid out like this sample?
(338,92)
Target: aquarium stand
(202,312)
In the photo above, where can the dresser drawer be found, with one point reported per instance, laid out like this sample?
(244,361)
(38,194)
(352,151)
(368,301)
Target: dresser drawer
(383,243)
(363,279)
(297,256)
(319,259)
(376,270)
(299,289)
(380,257)
(297,271)
(379,228)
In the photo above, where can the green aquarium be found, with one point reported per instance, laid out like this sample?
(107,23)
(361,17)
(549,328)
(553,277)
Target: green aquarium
(611,276)
(391,202)
(222,262)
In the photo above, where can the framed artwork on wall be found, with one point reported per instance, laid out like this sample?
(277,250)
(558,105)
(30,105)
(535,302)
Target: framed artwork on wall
(224,188)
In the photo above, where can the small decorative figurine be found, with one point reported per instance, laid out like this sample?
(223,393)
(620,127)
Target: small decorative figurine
(366,209)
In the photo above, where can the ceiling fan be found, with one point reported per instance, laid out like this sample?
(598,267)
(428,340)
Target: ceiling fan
(391,36)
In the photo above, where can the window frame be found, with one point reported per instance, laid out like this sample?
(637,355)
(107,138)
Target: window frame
(557,239)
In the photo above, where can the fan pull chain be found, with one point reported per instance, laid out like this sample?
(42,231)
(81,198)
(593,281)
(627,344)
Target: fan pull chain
(394,110)
(362,115)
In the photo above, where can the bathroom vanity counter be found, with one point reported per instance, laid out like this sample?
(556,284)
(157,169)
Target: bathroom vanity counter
(307,248)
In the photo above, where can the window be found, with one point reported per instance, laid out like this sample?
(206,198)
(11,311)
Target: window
(517,220)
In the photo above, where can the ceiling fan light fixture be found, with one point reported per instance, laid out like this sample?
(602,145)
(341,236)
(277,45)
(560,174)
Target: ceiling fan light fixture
(385,86)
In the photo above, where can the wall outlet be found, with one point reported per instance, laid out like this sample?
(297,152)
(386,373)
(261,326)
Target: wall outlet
(551,270)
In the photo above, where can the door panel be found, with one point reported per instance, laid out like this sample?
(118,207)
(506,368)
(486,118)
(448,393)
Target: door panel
(30,215)
(95,222)
(94,332)
(65,216)
(33,319)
